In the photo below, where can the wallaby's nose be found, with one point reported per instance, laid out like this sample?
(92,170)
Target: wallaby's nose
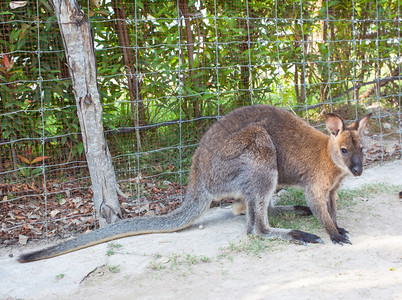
(356,165)
(357,170)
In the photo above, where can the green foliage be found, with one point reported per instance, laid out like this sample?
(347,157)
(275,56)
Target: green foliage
(208,63)
(292,196)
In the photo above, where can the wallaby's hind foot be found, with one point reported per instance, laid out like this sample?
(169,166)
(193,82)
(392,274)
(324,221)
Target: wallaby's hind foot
(305,237)
(297,236)
(239,207)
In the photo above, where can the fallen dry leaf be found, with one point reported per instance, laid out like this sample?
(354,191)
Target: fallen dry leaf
(54,212)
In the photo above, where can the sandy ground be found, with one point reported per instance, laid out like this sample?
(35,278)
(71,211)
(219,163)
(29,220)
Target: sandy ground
(371,268)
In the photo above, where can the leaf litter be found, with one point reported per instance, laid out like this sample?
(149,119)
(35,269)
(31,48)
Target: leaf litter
(67,209)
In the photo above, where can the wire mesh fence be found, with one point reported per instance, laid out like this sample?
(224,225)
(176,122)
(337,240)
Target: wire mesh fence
(166,71)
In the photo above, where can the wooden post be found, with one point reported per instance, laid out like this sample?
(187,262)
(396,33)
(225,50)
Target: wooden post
(79,46)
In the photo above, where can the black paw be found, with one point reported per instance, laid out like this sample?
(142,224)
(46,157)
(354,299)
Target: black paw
(340,239)
(343,232)
(304,237)
(302,210)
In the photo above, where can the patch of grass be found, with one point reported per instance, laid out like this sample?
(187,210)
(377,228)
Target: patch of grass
(59,277)
(156,266)
(292,221)
(254,245)
(177,261)
(347,196)
(205,259)
(292,196)
(295,196)
(187,260)
(113,268)
(225,254)
(111,247)
(115,246)
(159,262)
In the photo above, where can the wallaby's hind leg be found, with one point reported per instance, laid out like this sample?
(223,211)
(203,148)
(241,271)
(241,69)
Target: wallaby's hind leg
(258,223)
(258,180)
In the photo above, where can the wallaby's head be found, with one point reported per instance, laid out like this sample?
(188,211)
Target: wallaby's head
(346,147)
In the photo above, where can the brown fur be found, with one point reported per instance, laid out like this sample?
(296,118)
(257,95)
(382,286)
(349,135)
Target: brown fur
(245,155)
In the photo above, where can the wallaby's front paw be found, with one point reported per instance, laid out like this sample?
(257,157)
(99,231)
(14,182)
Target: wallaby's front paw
(340,239)
(305,237)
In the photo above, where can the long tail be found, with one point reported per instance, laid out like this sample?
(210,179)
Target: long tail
(179,219)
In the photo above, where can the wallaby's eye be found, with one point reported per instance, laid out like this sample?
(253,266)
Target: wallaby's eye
(344,151)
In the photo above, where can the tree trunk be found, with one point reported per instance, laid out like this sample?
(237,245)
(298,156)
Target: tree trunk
(300,80)
(303,92)
(245,71)
(79,46)
(184,11)
(320,36)
(134,85)
(297,87)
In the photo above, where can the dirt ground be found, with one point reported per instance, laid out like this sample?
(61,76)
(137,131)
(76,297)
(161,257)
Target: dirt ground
(207,263)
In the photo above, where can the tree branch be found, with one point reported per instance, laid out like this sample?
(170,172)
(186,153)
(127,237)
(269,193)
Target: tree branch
(378,84)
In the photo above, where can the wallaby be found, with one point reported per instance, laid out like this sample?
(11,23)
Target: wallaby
(245,155)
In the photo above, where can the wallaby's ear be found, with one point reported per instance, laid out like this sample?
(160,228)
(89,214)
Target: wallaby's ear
(334,124)
(360,124)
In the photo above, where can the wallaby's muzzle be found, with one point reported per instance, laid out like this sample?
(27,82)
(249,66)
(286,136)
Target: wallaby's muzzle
(356,166)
